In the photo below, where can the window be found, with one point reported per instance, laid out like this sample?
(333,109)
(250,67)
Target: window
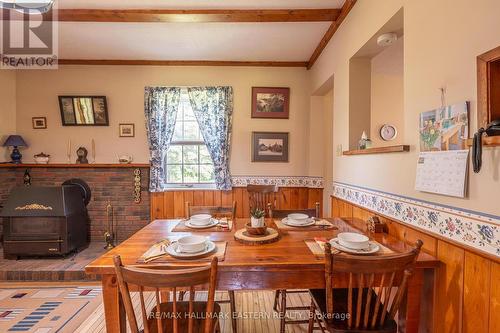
(188,162)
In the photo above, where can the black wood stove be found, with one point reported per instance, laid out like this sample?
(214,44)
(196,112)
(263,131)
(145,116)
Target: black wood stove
(39,221)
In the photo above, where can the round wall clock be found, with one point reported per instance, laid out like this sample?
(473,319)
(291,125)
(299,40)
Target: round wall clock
(388,132)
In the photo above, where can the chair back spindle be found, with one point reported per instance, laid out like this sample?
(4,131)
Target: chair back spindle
(159,279)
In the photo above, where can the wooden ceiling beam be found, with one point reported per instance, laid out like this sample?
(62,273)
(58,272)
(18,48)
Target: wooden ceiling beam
(189,15)
(127,62)
(346,8)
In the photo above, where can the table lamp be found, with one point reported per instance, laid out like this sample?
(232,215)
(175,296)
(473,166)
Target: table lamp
(15,141)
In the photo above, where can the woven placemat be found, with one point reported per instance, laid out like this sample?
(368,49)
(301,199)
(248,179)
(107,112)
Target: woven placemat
(317,247)
(182,227)
(318,225)
(220,253)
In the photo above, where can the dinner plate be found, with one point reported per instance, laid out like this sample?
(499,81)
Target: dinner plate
(291,224)
(213,222)
(172,249)
(372,247)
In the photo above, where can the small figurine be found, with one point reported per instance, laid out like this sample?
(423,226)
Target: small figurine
(82,156)
(362,142)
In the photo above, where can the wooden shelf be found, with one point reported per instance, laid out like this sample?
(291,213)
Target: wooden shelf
(378,150)
(84,166)
(488,141)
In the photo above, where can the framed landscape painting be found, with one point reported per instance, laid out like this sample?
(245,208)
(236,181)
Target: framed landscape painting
(269,147)
(270,102)
(84,110)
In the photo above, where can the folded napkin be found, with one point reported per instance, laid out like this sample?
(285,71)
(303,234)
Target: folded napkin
(157,250)
(321,222)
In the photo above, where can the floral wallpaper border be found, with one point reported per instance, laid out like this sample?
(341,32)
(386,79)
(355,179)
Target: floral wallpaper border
(280,181)
(478,230)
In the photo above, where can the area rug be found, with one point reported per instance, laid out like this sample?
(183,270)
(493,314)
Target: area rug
(47,309)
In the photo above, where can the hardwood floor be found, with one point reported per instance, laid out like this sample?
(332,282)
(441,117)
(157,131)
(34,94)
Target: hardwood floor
(255,308)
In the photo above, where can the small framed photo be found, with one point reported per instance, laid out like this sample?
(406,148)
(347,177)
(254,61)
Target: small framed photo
(126,130)
(268,102)
(84,110)
(39,122)
(269,147)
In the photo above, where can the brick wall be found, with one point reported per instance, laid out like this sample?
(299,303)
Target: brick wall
(115,185)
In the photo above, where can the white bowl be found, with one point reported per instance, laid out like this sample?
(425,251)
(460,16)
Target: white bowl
(42,160)
(200,219)
(353,240)
(192,244)
(298,218)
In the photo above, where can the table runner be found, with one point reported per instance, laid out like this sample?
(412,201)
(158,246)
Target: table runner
(181,227)
(317,247)
(318,225)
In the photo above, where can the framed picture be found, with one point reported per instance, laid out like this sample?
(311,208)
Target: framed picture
(126,130)
(270,102)
(445,128)
(84,110)
(269,147)
(39,122)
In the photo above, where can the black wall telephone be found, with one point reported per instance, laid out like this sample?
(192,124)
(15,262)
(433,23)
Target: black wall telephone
(493,129)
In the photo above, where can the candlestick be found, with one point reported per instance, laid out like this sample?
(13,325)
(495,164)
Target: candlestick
(93,151)
(68,152)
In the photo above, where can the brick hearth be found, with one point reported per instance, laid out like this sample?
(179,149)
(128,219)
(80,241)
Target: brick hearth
(115,185)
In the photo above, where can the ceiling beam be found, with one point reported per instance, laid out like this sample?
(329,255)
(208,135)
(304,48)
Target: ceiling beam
(189,15)
(346,8)
(127,62)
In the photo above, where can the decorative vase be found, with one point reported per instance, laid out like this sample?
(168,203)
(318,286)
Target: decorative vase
(257,222)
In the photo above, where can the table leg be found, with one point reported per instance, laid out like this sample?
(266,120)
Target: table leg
(114,312)
(409,314)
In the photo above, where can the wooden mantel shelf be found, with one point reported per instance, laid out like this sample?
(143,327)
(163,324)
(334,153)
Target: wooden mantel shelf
(488,141)
(87,166)
(378,150)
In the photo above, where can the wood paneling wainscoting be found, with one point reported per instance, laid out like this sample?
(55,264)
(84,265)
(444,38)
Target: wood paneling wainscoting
(170,204)
(467,288)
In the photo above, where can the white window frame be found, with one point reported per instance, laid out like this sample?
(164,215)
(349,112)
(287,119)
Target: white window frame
(182,144)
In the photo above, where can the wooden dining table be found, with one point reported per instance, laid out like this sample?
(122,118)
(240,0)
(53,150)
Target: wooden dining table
(285,264)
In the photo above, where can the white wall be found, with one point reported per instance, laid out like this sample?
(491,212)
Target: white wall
(359,101)
(442,40)
(387,92)
(37,93)
(7,110)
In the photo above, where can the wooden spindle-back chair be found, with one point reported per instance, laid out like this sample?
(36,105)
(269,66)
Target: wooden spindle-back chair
(262,197)
(162,318)
(282,213)
(216,211)
(377,286)
(280,300)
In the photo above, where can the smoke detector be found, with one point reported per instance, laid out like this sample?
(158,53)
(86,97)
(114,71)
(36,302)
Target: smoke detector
(387,39)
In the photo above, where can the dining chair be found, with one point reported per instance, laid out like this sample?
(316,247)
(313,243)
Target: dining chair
(216,211)
(280,300)
(377,286)
(262,197)
(165,317)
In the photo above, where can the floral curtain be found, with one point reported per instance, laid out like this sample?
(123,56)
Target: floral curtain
(160,108)
(213,108)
